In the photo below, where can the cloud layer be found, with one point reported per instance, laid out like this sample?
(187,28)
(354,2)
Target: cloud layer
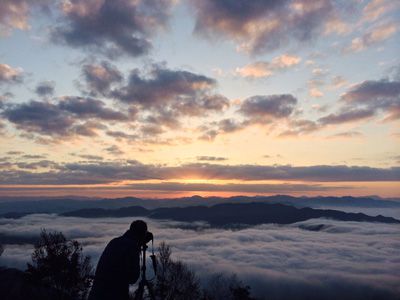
(345,260)
(98,172)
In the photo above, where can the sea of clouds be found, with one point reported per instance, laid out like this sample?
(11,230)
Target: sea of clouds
(344,260)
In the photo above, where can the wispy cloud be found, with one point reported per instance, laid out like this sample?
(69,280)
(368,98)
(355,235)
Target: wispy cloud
(372,37)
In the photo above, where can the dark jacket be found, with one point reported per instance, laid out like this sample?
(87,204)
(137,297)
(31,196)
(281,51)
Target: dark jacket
(119,266)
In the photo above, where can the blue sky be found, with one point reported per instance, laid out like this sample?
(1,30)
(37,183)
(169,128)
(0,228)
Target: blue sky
(223,83)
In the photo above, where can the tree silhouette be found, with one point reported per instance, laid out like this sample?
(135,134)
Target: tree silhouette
(222,287)
(60,264)
(174,278)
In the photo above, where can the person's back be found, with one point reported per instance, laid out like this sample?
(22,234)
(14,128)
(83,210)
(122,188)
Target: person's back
(118,267)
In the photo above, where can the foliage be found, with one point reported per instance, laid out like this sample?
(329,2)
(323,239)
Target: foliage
(60,264)
(221,287)
(1,249)
(174,278)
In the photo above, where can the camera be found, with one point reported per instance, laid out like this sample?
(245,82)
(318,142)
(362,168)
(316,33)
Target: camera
(148,237)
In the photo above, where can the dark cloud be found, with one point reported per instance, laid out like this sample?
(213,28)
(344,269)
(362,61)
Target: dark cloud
(346,116)
(68,116)
(37,165)
(382,92)
(265,108)
(30,156)
(41,117)
(122,135)
(347,134)
(45,88)
(88,128)
(231,125)
(114,150)
(163,118)
(100,77)
(367,99)
(8,74)
(108,172)
(90,108)
(14,153)
(211,158)
(344,260)
(111,27)
(262,26)
(175,92)
(87,156)
(231,187)
(151,130)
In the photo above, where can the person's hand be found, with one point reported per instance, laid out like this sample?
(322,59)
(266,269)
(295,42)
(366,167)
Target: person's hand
(148,237)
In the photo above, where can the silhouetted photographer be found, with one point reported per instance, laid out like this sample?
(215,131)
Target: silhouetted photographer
(119,265)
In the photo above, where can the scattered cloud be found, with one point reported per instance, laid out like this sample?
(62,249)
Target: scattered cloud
(374,36)
(10,75)
(87,156)
(338,82)
(265,108)
(263,69)
(34,156)
(67,117)
(100,77)
(366,100)
(377,8)
(382,95)
(263,26)
(347,134)
(337,26)
(211,158)
(114,150)
(14,14)
(300,127)
(45,88)
(121,135)
(111,27)
(172,91)
(14,152)
(346,116)
(41,117)
(315,93)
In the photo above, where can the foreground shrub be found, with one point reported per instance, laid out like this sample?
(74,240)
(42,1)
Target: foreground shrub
(60,264)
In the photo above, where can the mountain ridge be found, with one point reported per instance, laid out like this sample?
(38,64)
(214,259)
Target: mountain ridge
(233,213)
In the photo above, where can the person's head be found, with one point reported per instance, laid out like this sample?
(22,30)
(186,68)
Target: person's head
(139,228)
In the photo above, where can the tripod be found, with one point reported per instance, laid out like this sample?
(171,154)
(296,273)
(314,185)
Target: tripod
(143,281)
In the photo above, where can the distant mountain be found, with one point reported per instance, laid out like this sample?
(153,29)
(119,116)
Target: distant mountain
(130,211)
(230,214)
(60,205)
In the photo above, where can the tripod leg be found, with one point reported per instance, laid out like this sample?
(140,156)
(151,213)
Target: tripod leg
(150,289)
(139,291)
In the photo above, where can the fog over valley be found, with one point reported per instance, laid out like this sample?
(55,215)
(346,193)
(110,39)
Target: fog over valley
(346,260)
